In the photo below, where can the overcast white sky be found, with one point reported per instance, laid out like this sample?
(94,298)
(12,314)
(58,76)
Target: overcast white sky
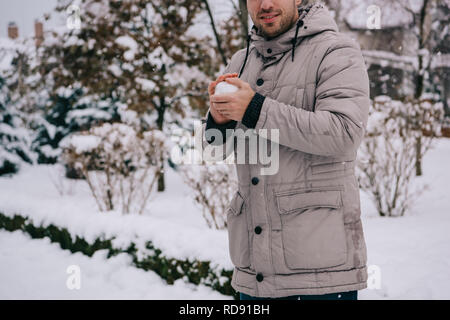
(23,13)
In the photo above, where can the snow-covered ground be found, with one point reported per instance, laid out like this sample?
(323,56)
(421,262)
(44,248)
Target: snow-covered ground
(172,221)
(38,269)
(412,253)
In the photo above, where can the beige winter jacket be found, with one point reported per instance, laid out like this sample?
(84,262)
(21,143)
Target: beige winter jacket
(298,231)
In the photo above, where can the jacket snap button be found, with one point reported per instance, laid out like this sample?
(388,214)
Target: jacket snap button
(258,230)
(259,277)
(259,82)
(269,50)
(255,180)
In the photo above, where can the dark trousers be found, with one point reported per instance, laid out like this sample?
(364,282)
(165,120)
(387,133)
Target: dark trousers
(348,295)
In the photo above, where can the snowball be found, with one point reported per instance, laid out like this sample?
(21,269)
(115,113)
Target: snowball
(224,87)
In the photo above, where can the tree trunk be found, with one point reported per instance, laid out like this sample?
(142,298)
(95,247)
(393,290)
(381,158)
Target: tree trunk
(418,156)
(418,93)
(160,123)
(243,16)
(161,181)
(216,34)
(420,80)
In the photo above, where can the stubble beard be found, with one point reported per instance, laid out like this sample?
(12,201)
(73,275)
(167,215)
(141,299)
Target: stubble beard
(286,22)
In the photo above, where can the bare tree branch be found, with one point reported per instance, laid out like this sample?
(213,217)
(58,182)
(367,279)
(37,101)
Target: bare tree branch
(216,34)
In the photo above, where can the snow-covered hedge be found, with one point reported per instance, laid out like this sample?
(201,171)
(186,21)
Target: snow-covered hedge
(190,270)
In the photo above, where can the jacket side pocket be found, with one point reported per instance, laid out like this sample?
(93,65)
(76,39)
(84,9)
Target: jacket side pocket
(313,232)
(238,234)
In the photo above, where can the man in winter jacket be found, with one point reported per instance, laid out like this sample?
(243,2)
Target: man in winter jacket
(295,233)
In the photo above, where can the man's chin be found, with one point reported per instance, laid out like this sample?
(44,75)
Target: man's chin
(269,33)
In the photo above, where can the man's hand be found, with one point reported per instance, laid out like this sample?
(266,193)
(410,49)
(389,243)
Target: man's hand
(217,116)
(233,105)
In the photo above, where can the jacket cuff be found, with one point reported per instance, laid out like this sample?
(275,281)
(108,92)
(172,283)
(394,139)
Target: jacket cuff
(211,124)
(253,111)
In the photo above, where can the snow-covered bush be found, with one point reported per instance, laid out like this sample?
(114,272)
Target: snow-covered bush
(20,104)
(386,158)
(213,187)
(15,139)
(119,164)
(67,112)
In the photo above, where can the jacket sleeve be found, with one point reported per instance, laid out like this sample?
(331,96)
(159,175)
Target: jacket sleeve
(337,123)
(217,139)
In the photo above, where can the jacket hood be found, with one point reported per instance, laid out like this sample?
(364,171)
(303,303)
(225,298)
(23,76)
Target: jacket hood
(312,20)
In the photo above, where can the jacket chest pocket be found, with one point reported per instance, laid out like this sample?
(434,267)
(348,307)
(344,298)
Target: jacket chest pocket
(313,233)
(299,98)
(331,170)
(238,232)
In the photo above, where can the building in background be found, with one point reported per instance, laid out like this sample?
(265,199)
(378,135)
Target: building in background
(409,41)
(13,30)
(38,32)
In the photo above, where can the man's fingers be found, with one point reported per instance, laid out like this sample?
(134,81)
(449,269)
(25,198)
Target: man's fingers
(221,98)
(235,81)
(212,88)
(230,75)
(220,106)
(226,76)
